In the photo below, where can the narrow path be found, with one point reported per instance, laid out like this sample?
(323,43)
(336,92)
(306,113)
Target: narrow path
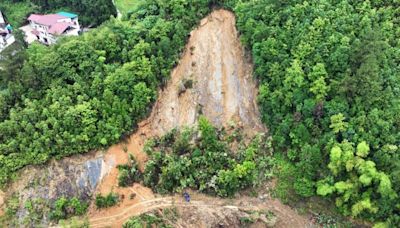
(160,203)
(203,203)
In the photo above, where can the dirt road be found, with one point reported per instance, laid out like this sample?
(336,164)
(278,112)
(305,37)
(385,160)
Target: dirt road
(205,203)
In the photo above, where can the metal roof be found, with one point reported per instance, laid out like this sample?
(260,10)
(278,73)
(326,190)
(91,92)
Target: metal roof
(66,14)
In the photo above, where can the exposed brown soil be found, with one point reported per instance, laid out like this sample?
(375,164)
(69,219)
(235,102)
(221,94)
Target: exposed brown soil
(223,90)
(2,196)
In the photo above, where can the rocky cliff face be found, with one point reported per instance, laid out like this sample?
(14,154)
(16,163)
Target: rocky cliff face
(42,186)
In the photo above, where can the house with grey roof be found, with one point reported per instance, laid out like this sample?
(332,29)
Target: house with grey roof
(48,28)
(6,36)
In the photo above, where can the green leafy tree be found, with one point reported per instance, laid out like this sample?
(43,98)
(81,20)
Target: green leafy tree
(337,123)
(355,179)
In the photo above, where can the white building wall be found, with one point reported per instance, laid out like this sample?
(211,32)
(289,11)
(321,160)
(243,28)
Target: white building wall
(44,35)
(76,22)
(6,41)
(51,39)
(2,43)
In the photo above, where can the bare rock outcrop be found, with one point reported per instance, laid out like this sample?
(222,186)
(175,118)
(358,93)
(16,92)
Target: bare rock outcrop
(78,177)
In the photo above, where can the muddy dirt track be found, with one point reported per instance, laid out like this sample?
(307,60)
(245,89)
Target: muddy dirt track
(223,90)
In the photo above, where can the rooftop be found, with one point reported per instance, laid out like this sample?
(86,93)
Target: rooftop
(54,21)
(49,19)
(66,14)
(59,28)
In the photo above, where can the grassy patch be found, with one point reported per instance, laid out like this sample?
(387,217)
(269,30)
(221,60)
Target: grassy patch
(126,6)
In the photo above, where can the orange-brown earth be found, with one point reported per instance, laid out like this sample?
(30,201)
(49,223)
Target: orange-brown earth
(224,91)
(2,196)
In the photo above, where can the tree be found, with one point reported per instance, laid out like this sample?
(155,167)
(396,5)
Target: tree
(337,123)
(355,180)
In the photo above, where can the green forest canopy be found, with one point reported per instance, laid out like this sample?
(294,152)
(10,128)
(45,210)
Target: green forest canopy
(330,79)
(329,73)
(86,92)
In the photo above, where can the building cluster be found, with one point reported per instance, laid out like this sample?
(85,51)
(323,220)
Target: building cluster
(48,28)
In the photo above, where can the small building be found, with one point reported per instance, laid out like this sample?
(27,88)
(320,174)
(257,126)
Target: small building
(6,36)
(48,28)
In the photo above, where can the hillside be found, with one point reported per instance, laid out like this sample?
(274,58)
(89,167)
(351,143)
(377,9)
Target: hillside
(224,89)
(243,104)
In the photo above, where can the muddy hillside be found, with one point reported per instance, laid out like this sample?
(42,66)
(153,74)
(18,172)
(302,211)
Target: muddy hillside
(213,78)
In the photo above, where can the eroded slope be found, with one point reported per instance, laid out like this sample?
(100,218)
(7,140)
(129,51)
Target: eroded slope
(213,78)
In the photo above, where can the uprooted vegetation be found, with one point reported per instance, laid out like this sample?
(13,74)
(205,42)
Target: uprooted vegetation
(164,219)
(175,217)
(202,159)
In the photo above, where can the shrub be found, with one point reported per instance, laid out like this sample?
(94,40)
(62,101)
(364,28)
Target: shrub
(129,173)
(109,200)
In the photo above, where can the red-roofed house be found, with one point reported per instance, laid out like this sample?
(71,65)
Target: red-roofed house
(48,28)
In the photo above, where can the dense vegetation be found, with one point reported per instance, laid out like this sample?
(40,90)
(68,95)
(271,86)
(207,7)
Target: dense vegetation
(91,12)
(86,92)
(202,159)
(330,73)
(16,11)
